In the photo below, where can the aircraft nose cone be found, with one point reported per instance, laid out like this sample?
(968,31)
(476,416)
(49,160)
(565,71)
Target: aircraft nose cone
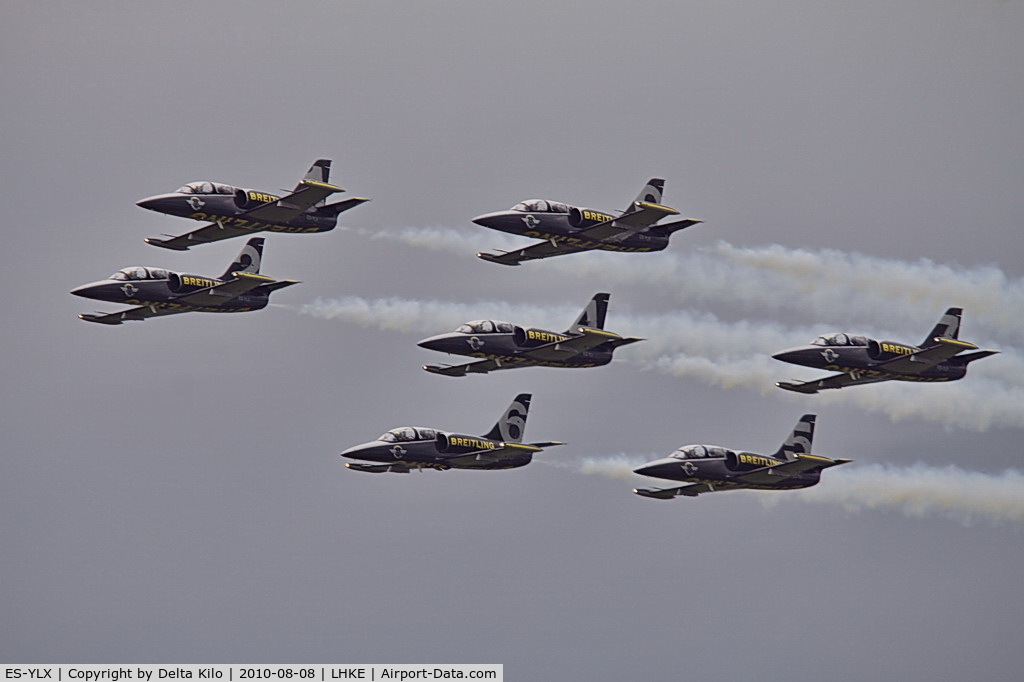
(656,468)
(434,342)
(798,356)
(487,219)
(149,202)
(91,290)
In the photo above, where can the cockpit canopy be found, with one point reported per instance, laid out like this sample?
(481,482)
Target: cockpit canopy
(406,434)
(540,206)
(137,273)
(840,340)
(203,187)
(699,452)
(485,327)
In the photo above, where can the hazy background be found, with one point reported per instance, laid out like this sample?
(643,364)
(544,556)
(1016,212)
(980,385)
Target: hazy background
(170,491)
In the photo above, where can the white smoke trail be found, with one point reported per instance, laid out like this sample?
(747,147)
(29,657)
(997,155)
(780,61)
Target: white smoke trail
(718,353)
(827,286)
(920,491)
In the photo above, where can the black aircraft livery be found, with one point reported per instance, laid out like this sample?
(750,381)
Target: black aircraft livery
(405,448)
(860,360)
(233,211)
(156,291)
(710,468)
(504,345)
(565,229)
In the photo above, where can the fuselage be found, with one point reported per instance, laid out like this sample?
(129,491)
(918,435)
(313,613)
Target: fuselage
(506,342)
(159,287)
(861,356)
(216,202)
(718,466)
(418,447)
(553,220)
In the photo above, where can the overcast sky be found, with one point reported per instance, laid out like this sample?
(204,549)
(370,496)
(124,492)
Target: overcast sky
(171,490)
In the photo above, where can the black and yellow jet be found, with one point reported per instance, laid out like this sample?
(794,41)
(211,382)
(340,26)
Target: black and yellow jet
(503,345)
(234,211)
(860,360)
(710,468)
(405,448)
(567,229)
(156,292)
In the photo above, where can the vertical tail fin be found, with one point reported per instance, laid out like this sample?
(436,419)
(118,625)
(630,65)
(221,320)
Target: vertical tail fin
(320,171)
(799,440)
(248,259)
(947,327)
(512,425)
(593,315)
(651,193)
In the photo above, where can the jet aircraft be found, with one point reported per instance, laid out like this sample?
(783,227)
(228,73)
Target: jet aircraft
(567,229)
(860,360)
(406,448)
(233,211)
(710,468)
(506,346)
(156,291)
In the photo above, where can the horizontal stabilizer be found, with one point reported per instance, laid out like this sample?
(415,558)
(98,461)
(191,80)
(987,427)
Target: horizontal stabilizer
(971,357)
(274,286)
(342,206)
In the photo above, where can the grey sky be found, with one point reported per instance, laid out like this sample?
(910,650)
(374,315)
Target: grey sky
(171,490)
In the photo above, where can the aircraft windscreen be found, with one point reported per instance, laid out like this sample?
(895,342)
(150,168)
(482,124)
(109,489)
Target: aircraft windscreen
(540,206)
(402,434)
(137,273)
(840,340)
(205,188)
(485,327)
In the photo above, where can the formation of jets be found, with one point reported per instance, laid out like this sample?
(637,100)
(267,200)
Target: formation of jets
(561,229)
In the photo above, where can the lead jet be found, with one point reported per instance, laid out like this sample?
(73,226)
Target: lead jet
(860,360)
(710,468)
(233,211)
(506,346)
(568,229)
(415,447)
(156,292)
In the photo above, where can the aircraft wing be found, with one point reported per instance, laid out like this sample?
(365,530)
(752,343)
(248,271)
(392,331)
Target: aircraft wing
(832,381)
(290,206)
(561,350)
(767,476)
(139,313)
(544,249)
(491,456)
(284,209)
(479,367)
(691,490)
(397,468)
(217,295)
(211,232)
(929,357)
